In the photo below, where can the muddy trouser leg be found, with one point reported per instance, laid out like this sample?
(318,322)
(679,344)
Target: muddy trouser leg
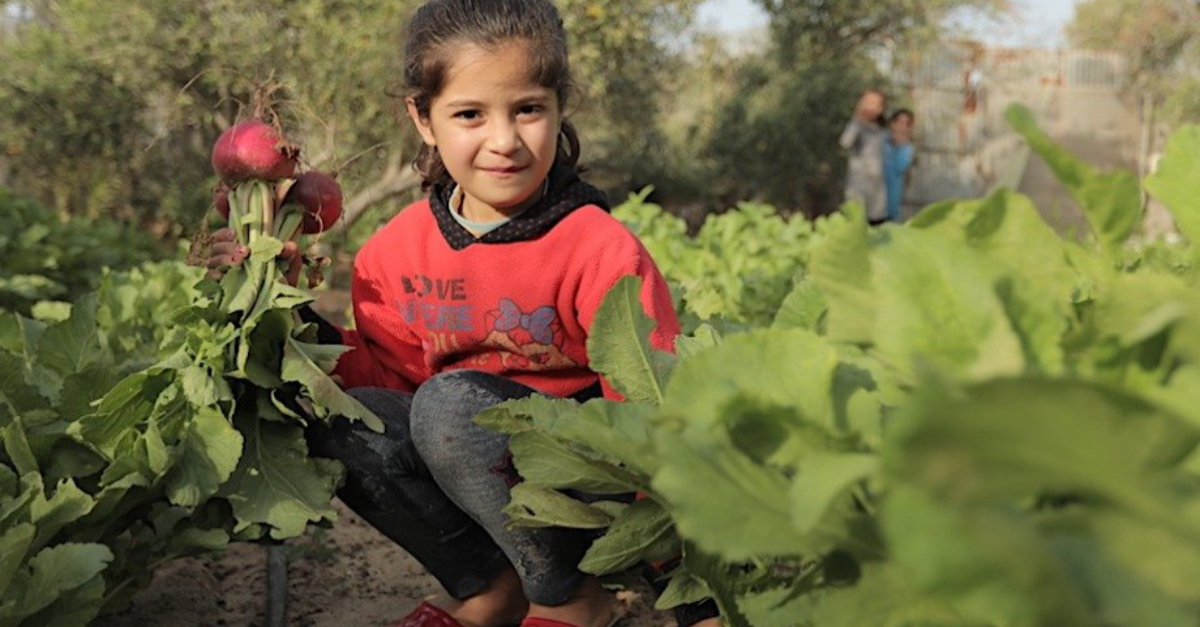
(388,485)
(473,467)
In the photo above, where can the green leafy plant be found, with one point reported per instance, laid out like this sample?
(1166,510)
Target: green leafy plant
(964,421)
(736,269)
(79,533)
(160,417)
(46,258)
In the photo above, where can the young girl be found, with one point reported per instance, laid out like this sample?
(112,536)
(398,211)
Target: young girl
(482,293)
(897,158)
(863,138)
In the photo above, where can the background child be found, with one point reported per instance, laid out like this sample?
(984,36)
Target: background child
(481,293)
(863,139)
(897,158)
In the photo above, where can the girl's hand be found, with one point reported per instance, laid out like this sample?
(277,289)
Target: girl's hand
(225,252)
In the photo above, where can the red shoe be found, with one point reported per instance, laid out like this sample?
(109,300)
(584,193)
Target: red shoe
(538,621)
(428,615)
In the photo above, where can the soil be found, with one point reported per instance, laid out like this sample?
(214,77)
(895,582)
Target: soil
(347,576)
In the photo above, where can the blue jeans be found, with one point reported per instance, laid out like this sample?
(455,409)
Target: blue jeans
(436,483)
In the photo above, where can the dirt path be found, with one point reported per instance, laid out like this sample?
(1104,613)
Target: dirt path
(348,576)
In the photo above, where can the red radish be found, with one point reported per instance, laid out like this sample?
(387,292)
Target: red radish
(252,150)
(320,196)
(221,200)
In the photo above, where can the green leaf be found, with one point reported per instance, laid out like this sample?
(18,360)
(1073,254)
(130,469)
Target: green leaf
(882,595)
(277,484)
(643,533)
(129,404)
(1136,307)
(14,502)
(31,331)
(683,587)
(209,455)
(56,571)
(988,562)
(727,503)
(1037,281)
(1111,202)
(616,433)
(705,336)
(83,388)
(546,461)
(287,297)
(822,479)
(260,352)
(142,454)
(535,506)
(524,414)
(72,608)
(14,390)
(714,573)
(242,286)
(11,339)
(110,501)
(619,433)
(772,608)
(71,346)
(858,398)
(790,368)
(841,268)
(328,397)
(14,546)
(16,445)
(1174,182)
(1137,556)
(173,413)
(804,308)
(1016,439)
(198,386)
(70,459)
(619,347)
(67,505)
(943,309)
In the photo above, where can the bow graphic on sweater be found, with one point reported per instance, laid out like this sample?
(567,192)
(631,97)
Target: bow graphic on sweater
(537,323)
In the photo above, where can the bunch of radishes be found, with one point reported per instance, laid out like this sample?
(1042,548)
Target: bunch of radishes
(260,192)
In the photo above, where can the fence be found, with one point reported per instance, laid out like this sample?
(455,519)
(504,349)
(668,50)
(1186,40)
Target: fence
(960,91)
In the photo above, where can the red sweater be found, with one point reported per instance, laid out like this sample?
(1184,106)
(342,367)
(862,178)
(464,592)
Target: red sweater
(519,309)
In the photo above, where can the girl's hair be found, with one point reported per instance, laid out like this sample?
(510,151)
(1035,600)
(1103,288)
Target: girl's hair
(441,28)
(901,112)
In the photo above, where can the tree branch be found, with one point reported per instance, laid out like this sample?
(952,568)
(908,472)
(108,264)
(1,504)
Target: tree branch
(397,179)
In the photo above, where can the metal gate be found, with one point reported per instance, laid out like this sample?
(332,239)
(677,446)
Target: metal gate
(959,91)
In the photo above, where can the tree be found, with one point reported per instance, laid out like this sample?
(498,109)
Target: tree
(623,62)
(776,140)
(111,108)
(807,30)
(1159,40)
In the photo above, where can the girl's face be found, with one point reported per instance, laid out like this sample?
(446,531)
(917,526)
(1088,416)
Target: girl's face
(902,127)
(871,105)
(495,129)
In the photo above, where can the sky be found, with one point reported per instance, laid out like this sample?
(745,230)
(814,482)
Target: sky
(1037,23)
